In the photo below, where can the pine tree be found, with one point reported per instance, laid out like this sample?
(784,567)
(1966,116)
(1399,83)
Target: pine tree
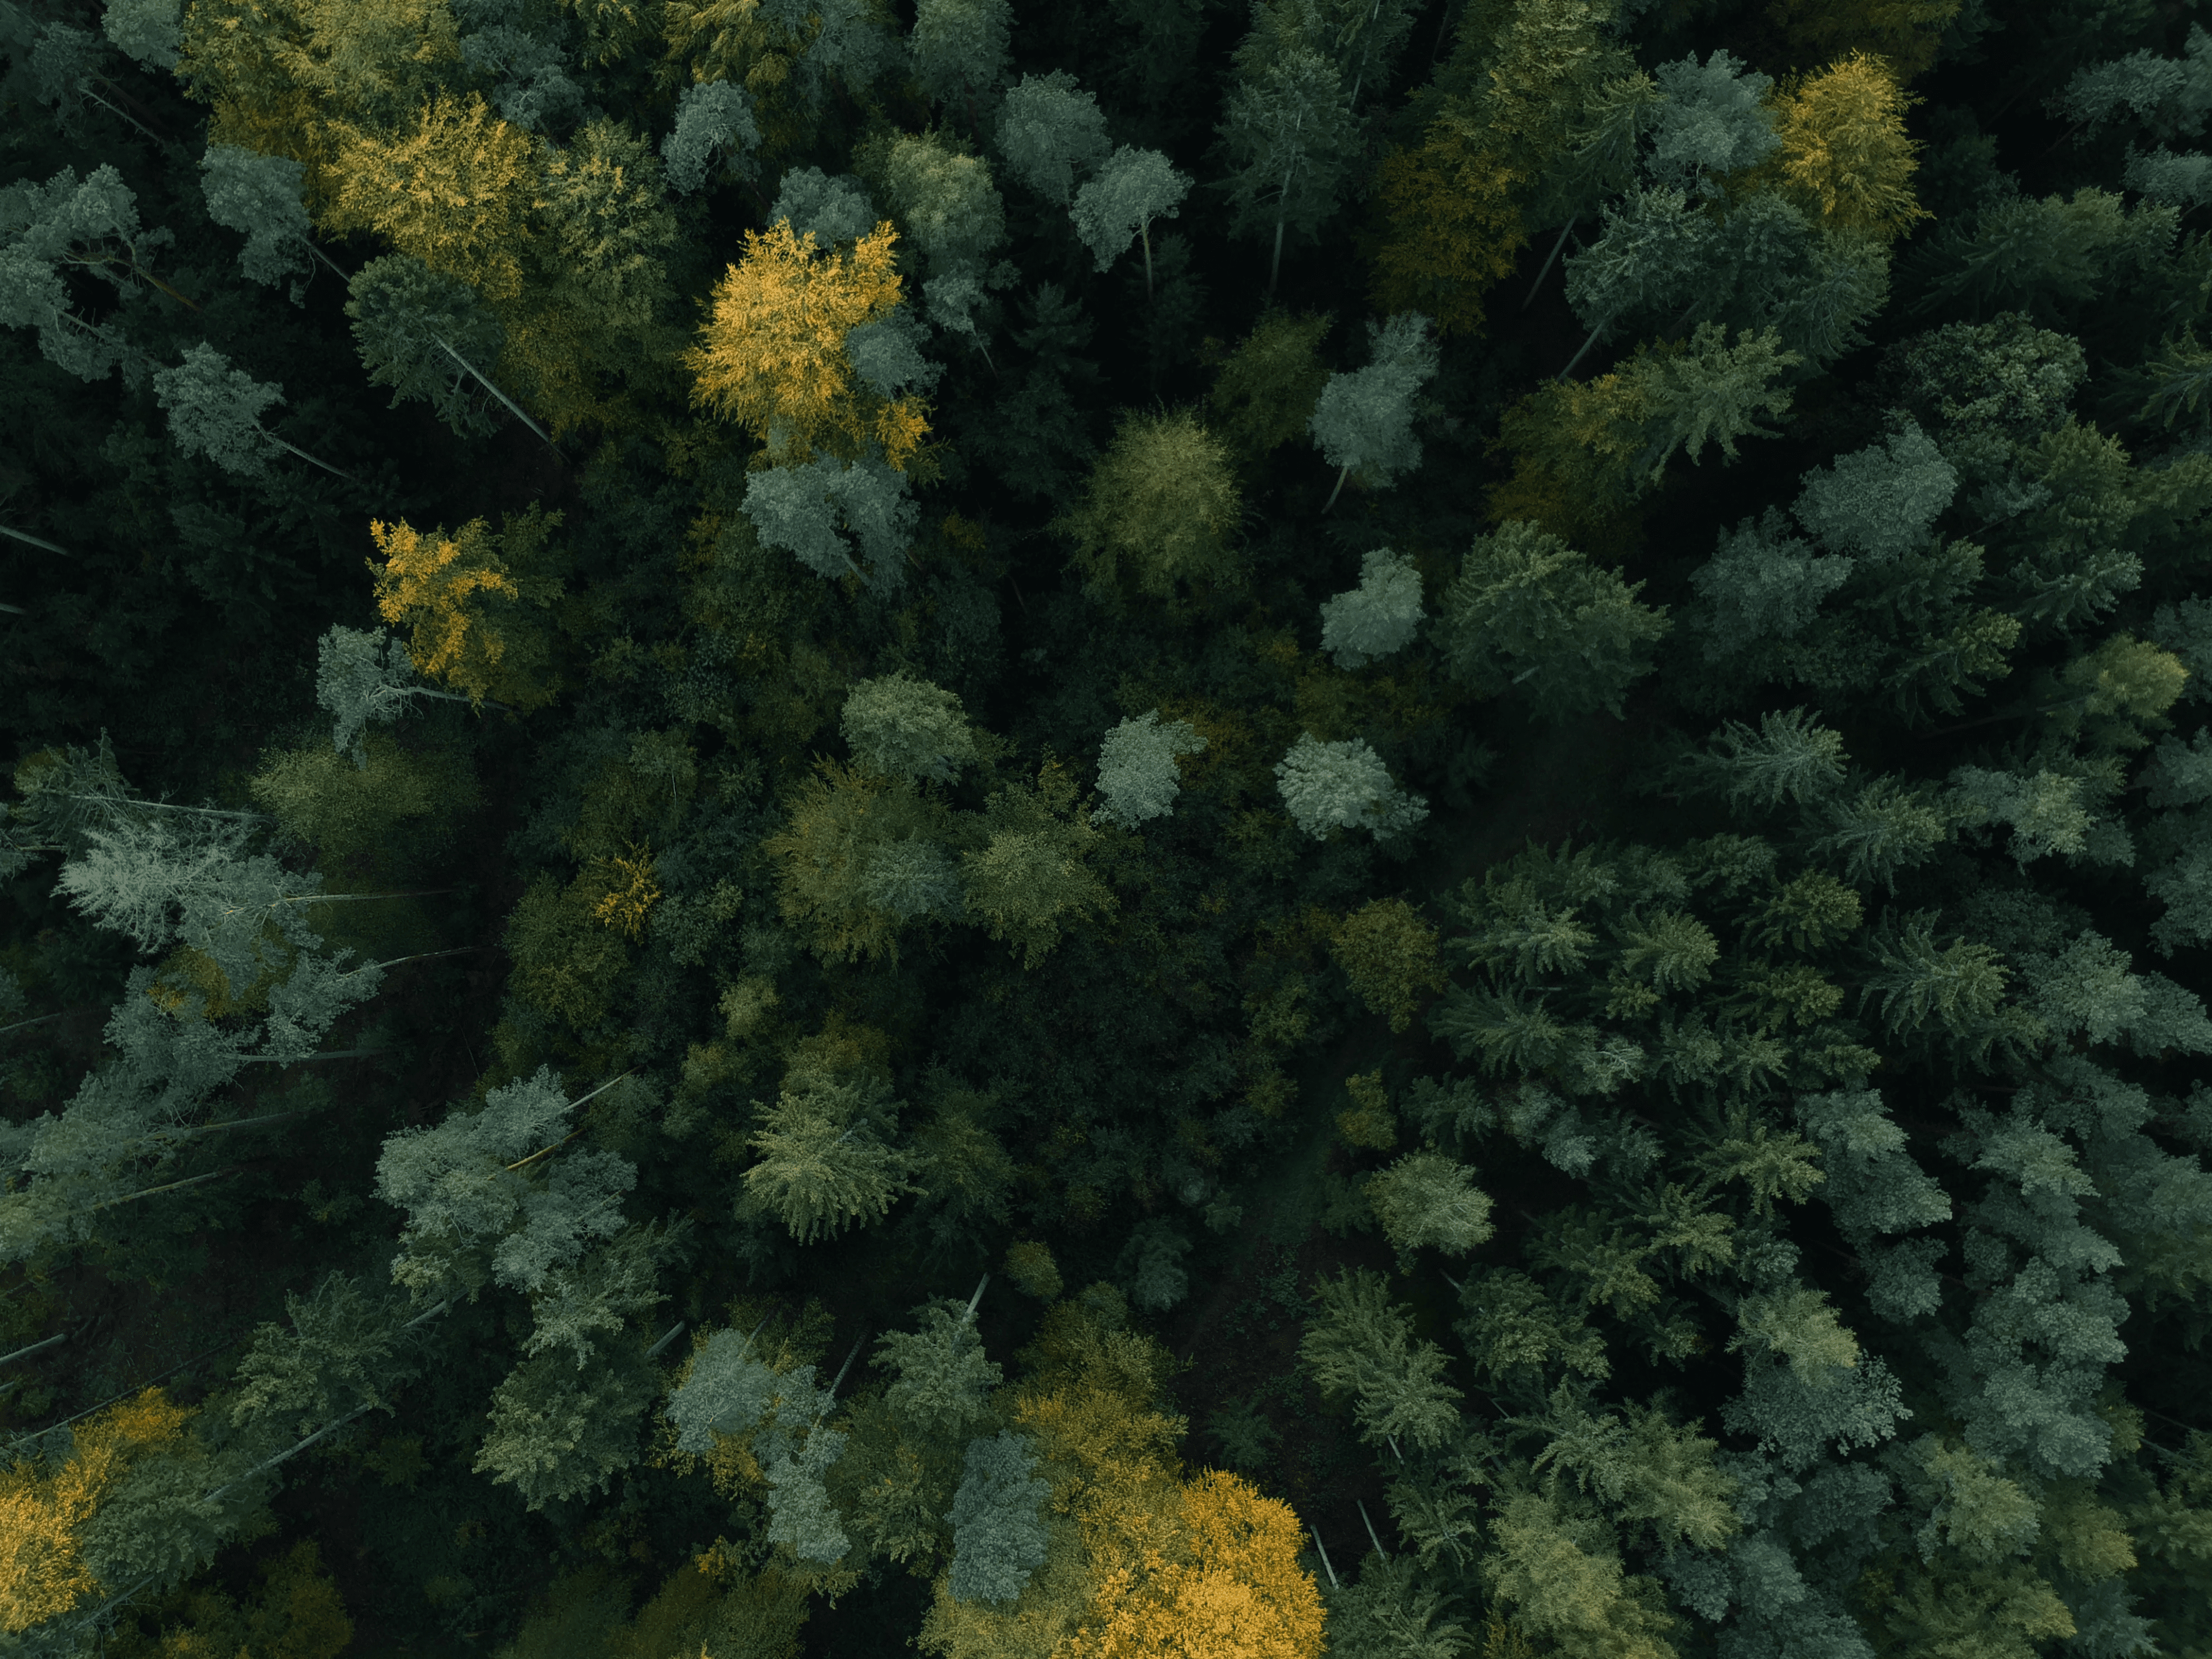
(1360,1345)
(1527,611)
(825,1160)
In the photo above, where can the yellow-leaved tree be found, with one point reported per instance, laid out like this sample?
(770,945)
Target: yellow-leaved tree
(44,1507)
(465,599)
(1844,154)
(452,189)
(1142,1562)
(301,78)
(771,355)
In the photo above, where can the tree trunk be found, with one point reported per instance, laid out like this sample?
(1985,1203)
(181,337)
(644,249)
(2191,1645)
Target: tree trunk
(304,456)
(1576,360)
(1549,260)
(1344,472)
(496,392)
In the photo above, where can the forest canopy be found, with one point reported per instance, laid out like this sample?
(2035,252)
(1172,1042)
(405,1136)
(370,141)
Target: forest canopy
(1171,830)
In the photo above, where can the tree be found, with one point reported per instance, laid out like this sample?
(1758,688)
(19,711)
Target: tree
(258,197)
(1288,136)
(772,353)
(1361,1346)
(713,117)
(364,677)
(1525,609)
(2171,96)
(1050,130)
(1390,955)
(941,1383)
(90,226)
(1379,617)
(474,1216)
(998,1538)
(145,29)
(1364,420)
(44,1506)
(459,596)
(1344,786)
(1270,383)
(453,192)
(819,510)
(1130,189)
(825,1160)
(1157,512)
(558,1432)
(1425,1199)
(959,49)
(420,332)
(1844,150)
(1029,882)
(1585,452)
(215,410)
(947,202)
(1712,122)
(835,209)
(1137,773)
(906,728)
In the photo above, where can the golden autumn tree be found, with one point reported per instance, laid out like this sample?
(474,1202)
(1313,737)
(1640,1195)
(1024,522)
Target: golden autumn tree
(1844,154)
(1143,1563)
(462,599)
(299,78)
(452,189)
(42,1508)
(771,355)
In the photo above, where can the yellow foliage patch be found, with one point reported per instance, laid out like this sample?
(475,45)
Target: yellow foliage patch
(454,191)
(772,355)
(41,1572)
(1239,1594)
(1843,148)
(440,588)
(630,895)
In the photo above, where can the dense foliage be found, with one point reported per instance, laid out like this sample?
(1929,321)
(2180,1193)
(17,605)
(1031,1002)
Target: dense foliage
(1134,830)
